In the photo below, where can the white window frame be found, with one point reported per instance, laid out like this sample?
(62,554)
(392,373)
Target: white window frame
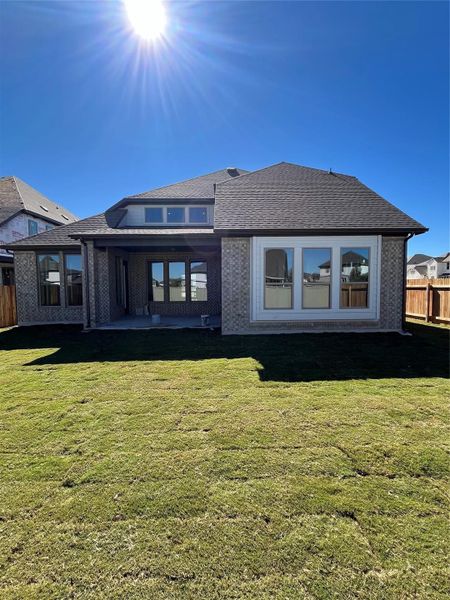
(297,313)
(187,221)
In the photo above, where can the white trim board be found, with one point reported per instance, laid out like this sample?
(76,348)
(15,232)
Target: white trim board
(259,244)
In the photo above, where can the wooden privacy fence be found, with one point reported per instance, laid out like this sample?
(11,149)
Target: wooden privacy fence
(428,299)
(8,312)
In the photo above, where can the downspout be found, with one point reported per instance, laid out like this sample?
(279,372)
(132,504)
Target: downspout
(86,292)
(405,258)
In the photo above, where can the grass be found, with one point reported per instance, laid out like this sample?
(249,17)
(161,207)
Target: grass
(184,465)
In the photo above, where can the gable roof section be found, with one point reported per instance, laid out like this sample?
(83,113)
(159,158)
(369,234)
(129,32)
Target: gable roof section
(288,197)
(17,196)
(416,259)
(198,187)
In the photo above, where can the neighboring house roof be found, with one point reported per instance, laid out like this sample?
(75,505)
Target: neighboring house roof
(280,198)
(17,196)
(287,197)
(347,258)
(443,258)
(417,259)
(69,235)
(197,187)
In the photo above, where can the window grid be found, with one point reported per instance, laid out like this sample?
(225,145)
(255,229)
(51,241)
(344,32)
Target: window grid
(193,215)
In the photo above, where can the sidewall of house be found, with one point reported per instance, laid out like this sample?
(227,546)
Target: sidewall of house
(236,293)
(29,310)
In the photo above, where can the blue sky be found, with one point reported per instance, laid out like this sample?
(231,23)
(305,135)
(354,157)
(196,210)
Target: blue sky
(89,113)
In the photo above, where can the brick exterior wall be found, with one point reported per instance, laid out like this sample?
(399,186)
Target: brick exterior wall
(101,280)
(236,290)
(29,311)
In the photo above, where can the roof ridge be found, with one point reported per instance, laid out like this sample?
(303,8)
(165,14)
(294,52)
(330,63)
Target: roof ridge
(18,189)
(162,187)
(283,162)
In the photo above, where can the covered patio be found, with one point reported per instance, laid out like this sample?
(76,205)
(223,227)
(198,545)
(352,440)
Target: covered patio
(143,282)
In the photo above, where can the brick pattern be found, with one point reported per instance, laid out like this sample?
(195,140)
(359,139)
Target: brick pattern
(138,276)
(392,280)
(29,311)
(235,285)
(236,273)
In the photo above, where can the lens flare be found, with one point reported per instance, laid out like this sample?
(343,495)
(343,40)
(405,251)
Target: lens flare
(147,17)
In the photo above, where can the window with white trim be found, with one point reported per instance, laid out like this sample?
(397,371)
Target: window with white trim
(354,277)
(278,278)
(178,215)
(315,278)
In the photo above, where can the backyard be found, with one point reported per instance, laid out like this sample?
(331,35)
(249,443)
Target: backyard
(186,465)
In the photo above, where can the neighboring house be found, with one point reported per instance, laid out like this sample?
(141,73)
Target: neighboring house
(282,249)
(24,212)
(421,266)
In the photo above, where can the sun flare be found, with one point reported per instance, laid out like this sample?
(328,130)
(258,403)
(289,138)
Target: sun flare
(148,17)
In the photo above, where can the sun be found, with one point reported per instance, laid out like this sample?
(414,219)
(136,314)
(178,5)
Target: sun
(148,17)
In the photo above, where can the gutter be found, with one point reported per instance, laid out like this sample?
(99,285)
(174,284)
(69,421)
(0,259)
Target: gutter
(86,293)
(405,259)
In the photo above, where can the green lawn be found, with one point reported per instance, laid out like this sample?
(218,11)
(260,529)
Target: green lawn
(184,465)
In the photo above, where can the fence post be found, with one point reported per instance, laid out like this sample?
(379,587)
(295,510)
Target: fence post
(427,302)
(430,303)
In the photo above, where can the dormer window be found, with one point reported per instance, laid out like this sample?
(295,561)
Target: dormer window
(154,214)
(177,215)
(198,214)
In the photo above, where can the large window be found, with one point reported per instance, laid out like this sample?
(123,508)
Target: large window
(32,227)
(74,286)
(156,288)
(316,277)
(199,282)
(177,281)
(49,279)
(176,214)
(354,277)
(278,278)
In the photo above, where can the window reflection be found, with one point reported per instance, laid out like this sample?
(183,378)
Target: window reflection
(157,279)
(278,277)
(316,277)
(199,282)
(74,287)
(177,281)
(354,277)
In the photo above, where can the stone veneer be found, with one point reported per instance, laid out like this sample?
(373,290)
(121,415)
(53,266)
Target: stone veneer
(29,310)
(236,288)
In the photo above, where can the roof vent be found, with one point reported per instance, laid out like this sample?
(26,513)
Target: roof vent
(232,171)
(64,217)
(44,208)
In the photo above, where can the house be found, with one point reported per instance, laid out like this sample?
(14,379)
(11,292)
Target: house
(282,249)
(24,212)
(421,266)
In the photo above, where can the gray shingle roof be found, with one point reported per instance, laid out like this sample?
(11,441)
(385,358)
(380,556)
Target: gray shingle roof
(280,198)
(287,197)
(418,258)
(17,196)
(198,187)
